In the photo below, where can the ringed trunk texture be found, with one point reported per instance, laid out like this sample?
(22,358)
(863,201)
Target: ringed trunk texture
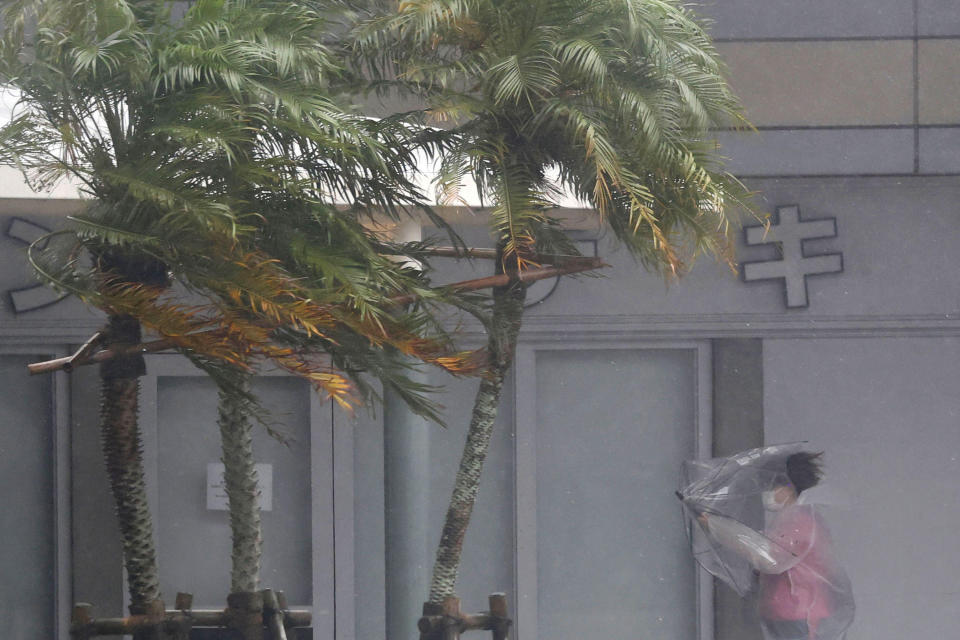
(501,345)
(240,481)
(123,455)
(245,605)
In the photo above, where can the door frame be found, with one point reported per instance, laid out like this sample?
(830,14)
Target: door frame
(525,496)
(61,500)
(331,469)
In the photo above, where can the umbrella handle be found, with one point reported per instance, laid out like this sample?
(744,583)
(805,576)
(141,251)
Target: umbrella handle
(679,495)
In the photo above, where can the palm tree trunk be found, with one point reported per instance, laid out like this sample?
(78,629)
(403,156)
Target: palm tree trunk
(501,345)
(240,479)
(123,454)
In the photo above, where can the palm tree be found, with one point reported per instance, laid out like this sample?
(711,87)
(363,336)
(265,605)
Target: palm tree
(213,155)
(614,97)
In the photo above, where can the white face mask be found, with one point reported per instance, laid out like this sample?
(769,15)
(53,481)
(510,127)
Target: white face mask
(770,501)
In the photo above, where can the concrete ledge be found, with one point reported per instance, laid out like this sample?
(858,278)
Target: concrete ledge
(832,83)
(809,18)
(794,152)
(938,17)
(940,150)
(939,97)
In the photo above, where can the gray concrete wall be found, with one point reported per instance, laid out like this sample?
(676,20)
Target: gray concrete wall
(840,87)
(487,564)
(886,411)
(97,552)
(193,541)
(612,427)
(809,19)
(857,107)
(737,426)
(897,237)
(28,517)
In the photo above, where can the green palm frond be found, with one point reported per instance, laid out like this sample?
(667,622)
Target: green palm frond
(619,95)
(217,160)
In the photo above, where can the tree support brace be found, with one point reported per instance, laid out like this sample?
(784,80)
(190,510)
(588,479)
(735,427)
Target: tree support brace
(84,356)
(176,623)
(446,622)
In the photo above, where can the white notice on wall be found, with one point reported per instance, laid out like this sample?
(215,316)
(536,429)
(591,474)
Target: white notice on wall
(217,493)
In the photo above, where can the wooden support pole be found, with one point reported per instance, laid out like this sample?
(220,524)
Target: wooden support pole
(85,625)
(456,252)
(69,362)
(441,622)
(499,619)
(569,267)
(183,603)
(429,620)
(446,622)
(155,625)
(482,253)
(285,610)
(526,276)
(81,619)
(453,618)
(83,353)
(491,254)
(273,616)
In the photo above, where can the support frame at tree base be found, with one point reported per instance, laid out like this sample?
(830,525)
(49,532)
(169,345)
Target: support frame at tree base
(445,621)
(175,624)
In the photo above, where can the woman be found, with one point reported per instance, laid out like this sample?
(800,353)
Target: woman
(804,594)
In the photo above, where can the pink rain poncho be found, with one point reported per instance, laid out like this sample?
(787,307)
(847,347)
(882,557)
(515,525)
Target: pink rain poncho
(766,543)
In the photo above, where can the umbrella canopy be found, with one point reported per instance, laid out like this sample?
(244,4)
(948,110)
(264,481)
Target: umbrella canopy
(733,488)
(756,536)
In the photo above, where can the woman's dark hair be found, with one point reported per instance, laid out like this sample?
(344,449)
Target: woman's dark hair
(804,470)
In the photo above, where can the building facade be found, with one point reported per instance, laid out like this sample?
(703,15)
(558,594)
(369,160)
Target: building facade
(846,334)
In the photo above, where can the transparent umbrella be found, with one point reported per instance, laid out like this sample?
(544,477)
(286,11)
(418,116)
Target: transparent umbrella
(750,524)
